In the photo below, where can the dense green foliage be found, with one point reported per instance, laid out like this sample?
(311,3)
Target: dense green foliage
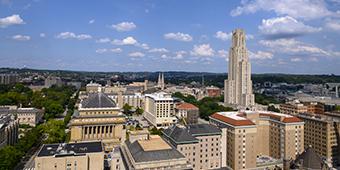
(155,131)
(337,108)
(52,99)
(54,130)
(139,111)
(265,100)
(11,155)
(273,109)
(207,105)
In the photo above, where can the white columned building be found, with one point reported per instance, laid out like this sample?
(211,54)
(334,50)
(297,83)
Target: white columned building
(238,88)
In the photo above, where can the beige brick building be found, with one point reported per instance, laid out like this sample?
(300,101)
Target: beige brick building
(322,134)
(200,144)
(98,119)
(153,153)
(248,134)
(29,116)
(159,109)
(297,107)
(82,156)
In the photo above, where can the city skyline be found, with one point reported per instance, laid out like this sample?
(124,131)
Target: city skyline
(300,37)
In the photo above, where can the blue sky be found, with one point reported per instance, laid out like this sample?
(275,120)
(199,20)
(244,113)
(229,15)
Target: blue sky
(283,36)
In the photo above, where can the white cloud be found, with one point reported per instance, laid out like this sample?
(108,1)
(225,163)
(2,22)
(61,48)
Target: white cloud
(180,54)
(71,35)
(11,20)
(103,40)
(223,35)
(113,50)
(202,50)
(125,41)
(223,53)
(158,50)
(295,59)
(260,55)
(21,37)
(333,24)
(285,27)
(313,59)
(178,36)
(292,46)
(42,35)
(124,26)
(143,46)
(92,21)
(136,54)
(305,9)
(101,50)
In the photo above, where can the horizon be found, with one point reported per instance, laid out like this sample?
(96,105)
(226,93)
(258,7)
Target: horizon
(166,71)
(299,37)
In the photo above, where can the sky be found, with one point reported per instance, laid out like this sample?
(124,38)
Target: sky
(283,36)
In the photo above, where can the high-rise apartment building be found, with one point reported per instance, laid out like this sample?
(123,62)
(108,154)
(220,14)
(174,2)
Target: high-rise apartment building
(248,134)
(238,88)
(322,133)
(159,109)
(9,78)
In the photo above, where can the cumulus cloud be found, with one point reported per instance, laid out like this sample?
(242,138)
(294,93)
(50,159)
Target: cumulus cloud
(295,59)
(223,35)
(136,54)
(143,46)
(203,50)
(260,55)
(103,40)
(113,50)
(180,54)
(333,24)
(71,35)
(305,9)
(223,53)
(158,50)
(178,36)
(42,35)
(11,20)
(126,41)
(21,37)
(92,21)
(292,46)
(284,27)
(124,26)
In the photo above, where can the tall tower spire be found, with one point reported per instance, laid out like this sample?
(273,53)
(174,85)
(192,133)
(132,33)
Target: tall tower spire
(238,88)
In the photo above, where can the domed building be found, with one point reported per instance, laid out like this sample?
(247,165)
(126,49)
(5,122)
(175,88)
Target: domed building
(98,119)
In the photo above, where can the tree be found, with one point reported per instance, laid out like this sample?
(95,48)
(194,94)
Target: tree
(126,108)
(139,111)
(55,131)
(273,109)
(9,157)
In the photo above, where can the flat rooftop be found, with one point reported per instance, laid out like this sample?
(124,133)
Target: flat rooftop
(70,149)
(154,143)
(241,118)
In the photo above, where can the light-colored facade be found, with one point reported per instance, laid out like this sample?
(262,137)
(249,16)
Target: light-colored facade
(80,156)
(161,83)
(297,107)
(200,144)
(93,88)
(187,111)
(9,78)
(238,88)
(99,119)
(52,80)
(280,136)
(117,159)
(153,153)
(132,99)
(159,109)
(29,116)
(322,134)
(8,130)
